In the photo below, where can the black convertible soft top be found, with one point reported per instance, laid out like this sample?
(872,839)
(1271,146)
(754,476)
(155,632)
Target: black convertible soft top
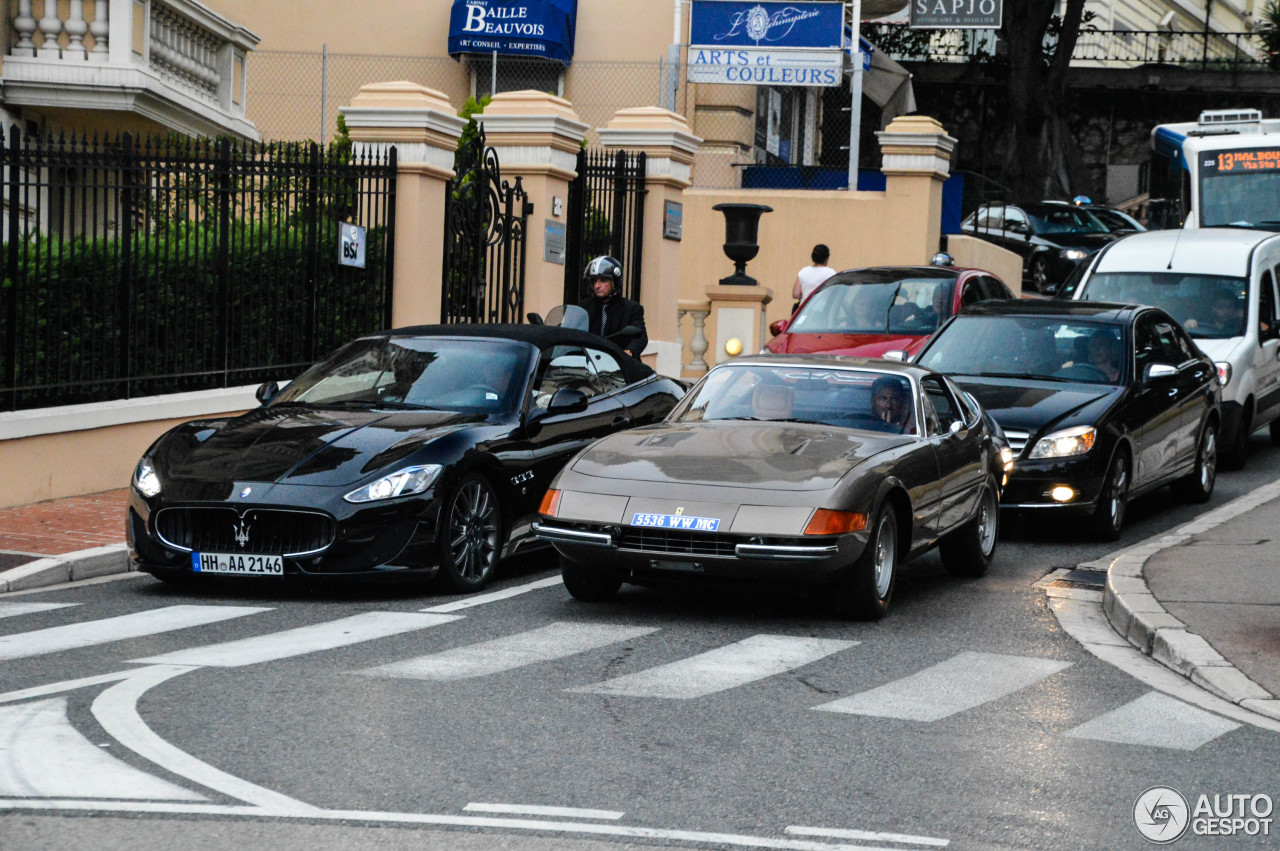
(542,336)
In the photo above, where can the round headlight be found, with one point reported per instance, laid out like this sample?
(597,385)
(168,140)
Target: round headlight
(145,480)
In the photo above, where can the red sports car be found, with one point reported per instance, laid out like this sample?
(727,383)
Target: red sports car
(867,312)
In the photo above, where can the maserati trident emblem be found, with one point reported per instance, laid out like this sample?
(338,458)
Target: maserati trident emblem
(242,533)
(679,510)
(245,492)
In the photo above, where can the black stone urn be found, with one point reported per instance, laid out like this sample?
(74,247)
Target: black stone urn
(741,225)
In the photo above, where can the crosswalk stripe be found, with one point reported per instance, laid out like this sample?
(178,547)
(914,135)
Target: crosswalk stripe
(554,641)
(1156,720)
(8,610)
(724,668)
(90,633)
(301,640)
(43,756)
(962,682)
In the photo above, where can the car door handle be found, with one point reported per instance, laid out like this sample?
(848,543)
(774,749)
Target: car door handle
(621,421)
(1173,392)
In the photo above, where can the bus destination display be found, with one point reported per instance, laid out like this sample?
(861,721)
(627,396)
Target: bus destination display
(1234,162)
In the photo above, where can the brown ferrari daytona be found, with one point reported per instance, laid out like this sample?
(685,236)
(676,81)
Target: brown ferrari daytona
(824,471)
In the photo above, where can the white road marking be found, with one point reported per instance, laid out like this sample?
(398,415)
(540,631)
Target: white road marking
(1158,721)
(962,682)
(8,610)
(535,810)
(42,755)
(116,709)
(736,840)
(65,685)
(868,836)
(724,668)
(301,640)
(504,594)
(554,641)
(90,633)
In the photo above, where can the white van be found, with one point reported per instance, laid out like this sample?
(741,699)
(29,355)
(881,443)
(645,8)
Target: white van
(1220,283)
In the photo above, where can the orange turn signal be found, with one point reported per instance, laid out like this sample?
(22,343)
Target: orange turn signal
(550,503)
(828,522)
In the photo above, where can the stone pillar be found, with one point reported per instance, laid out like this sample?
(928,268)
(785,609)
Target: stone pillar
(737,312)
(669,149)
(424,128)
(537,137)
(917,161)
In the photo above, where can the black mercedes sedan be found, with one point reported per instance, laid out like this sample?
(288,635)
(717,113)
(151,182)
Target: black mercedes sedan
(1099,402)
(411,452)
(1052,238)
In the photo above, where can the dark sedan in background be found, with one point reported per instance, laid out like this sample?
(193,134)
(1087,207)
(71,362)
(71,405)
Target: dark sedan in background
(867,312)
(825,472)
(1100,402)
(404,453)
(1052,238)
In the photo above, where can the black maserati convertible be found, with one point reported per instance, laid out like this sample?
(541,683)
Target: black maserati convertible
(411,452)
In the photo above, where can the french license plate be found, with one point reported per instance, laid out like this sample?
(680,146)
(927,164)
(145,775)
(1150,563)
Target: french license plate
(676,521)
(237,563)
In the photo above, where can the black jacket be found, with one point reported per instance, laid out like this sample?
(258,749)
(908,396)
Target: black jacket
(621,313)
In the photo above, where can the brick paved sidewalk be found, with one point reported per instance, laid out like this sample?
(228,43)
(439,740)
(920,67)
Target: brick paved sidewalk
(28,532)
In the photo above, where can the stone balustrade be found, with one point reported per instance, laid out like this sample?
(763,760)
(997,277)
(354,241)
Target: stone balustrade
(694,365)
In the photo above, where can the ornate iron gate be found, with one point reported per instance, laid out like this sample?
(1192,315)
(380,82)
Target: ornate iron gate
(484,240)
(606,216)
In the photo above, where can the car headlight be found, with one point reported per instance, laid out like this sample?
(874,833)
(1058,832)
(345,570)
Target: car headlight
(1224,373)
(145,480)
(1060,444)
(1074,254)
(1006,458)
(404,482)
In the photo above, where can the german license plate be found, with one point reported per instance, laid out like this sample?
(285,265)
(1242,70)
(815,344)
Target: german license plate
(239,563)
(676,521)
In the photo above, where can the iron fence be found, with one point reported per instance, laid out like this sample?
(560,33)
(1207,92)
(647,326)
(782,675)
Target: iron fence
(606,216)
(135,268)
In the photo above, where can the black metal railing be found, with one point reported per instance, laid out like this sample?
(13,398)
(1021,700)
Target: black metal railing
(606,216)
(135,268)
(1234,51)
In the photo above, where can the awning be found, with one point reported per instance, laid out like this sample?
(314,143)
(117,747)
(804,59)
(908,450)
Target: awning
(542,28)
(886,82)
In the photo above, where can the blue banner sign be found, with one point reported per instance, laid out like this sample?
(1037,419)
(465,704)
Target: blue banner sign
(766,44)
(956,14)
(543,28)
(731,23)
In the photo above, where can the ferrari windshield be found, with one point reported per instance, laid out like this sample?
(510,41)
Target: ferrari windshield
(845,398)
(1051,348)
(863,305)
(1206,305)
(416,372)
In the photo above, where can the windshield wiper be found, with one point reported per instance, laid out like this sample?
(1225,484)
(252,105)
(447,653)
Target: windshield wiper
(1028,376)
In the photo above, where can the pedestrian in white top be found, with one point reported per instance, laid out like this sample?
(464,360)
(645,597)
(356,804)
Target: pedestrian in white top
(808,278)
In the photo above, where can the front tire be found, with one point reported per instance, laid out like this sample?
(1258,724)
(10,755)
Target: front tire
(470,535)
(1198,485)
(1275,432)
(591,585)
(1234,456)
(1039,274)
(865,593)
(969,550)
(1108,518)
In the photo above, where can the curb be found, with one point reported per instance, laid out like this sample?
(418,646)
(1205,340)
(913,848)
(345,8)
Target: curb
(1139,617)
(69,567)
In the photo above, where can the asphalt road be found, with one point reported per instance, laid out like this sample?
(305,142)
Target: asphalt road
(967,717)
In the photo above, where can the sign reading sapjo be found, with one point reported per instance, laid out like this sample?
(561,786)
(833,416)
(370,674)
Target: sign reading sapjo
(753,43)
(956,14)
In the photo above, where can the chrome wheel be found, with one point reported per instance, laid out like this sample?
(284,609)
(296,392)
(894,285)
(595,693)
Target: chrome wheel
(1208,459)
(886,553)
(1109,517)
(1039,274)
(473,535)
(987,523)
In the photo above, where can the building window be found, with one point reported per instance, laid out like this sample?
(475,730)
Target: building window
(515,74)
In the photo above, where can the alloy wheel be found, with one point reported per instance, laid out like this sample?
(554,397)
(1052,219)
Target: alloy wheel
(473,531)
(885,554)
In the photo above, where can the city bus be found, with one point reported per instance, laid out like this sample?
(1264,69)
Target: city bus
(1222,170)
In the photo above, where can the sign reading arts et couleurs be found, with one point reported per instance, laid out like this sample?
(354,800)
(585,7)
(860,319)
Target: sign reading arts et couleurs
(766,44)
(543,28)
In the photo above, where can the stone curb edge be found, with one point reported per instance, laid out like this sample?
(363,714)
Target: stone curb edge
(69,567)
(1138,617)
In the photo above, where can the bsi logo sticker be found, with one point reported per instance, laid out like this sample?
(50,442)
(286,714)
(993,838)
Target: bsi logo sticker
(350,245)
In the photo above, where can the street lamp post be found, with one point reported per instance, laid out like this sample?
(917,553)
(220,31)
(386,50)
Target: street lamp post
(855,94)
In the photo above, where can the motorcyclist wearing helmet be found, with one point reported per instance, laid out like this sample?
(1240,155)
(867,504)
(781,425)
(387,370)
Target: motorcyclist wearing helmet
(608,311)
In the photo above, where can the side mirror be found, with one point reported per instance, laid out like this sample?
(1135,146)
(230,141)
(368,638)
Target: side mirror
(534,318)
(956,426)
(895,354)
(1017,227)
(567,401)
(267,392)
(778,326)
(1159,372)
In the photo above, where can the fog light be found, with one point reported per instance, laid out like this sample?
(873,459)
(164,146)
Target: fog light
(1062,493)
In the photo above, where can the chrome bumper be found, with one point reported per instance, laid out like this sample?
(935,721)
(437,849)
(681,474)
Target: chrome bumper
(573,536)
